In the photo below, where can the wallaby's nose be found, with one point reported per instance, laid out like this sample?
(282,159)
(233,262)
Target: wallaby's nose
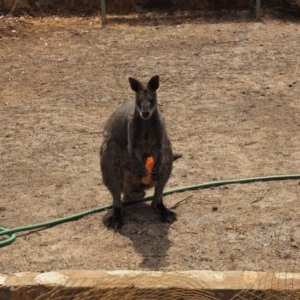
(145,115)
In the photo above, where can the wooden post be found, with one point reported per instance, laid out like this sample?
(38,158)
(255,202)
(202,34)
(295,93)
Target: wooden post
(258,9)
(103,12)
(14,6)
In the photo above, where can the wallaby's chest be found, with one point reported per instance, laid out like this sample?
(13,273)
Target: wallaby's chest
(147,136)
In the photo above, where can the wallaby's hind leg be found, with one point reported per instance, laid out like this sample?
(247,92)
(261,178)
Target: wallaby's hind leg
(166,214)
(112,177)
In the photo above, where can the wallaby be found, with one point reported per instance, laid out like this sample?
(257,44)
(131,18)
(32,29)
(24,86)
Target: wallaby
(132,133)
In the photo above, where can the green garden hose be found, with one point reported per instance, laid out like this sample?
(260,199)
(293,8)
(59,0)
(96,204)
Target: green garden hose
(12,236)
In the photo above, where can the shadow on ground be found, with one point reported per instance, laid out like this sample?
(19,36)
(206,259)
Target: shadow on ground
(149,236)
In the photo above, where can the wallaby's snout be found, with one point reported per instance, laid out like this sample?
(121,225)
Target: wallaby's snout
(146,101)
(146,104)
(146,115)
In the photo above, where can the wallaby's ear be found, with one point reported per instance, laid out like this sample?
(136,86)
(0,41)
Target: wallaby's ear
(135,84)
(153,83)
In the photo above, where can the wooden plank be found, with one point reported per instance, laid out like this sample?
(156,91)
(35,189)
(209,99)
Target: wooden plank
(123,284)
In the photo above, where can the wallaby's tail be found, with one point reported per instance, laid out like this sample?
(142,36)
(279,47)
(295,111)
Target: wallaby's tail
(176,156)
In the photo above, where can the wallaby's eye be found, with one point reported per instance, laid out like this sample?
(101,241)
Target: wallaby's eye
(150,100)
(138,101)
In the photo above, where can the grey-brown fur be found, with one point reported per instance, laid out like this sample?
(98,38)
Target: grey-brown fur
(133,132)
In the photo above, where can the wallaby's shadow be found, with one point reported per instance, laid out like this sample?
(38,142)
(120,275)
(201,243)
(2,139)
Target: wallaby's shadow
(149,235)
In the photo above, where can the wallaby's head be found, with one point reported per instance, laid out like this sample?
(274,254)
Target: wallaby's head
(145,101)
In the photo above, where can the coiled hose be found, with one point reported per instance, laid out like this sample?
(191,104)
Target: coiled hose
(11,233)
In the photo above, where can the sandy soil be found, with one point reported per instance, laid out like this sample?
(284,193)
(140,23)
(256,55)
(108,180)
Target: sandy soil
(230,96)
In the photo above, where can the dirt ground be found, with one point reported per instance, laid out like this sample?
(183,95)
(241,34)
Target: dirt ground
(230,97)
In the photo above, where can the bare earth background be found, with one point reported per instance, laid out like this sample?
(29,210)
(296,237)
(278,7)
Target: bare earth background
(230,96)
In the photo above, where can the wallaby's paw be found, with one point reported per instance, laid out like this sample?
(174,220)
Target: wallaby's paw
(138,168)
(154,175)
(142,172)
(114,221)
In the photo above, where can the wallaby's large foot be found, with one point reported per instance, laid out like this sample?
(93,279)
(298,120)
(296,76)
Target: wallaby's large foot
(115,220)
(166,214)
